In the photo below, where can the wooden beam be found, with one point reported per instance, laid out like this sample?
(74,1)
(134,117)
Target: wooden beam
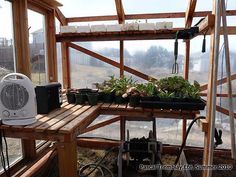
(219,82)
(109,61)
(117,36)
(207,23)
(21,37)
(219,95)
(66,65)
(120,11)
(121,58)
(46,4)
(144,16)
(224,111)
(51,46)
(187,59)
(60,17)
(101,124)
(67,164)
(97,143)
(189,13)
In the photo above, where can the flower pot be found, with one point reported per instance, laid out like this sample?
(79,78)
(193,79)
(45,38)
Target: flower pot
(120,100)
(100,96)
(92,98)
(81,98)
(134,101)
(108,97)
(70,97)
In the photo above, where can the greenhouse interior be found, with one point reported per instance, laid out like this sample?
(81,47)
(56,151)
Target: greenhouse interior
(117,88)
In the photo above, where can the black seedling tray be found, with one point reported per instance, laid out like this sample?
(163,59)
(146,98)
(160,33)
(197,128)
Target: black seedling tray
(195,105)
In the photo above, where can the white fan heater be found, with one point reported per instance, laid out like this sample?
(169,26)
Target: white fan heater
(17,100)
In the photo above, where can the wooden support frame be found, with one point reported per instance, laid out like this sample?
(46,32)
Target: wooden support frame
(109,61)
(101,124)
(120,11)
(51,46)
(60,17)
(143,16)
(189,13)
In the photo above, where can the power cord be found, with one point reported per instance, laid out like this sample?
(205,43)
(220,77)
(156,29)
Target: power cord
(4,160)
(184,142)
(97,165)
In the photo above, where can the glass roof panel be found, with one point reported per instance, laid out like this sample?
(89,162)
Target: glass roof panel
(79,8)
(154,6)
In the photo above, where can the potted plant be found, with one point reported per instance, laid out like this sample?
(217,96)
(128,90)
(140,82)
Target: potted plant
(149,92)
(70,94)
(133,93)
(120,87)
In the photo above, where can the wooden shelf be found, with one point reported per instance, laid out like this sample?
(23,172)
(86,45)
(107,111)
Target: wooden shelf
(115,36)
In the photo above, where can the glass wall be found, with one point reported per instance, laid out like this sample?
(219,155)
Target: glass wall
(7,65)
(37,42)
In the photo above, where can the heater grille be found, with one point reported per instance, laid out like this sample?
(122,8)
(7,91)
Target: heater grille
(14,96)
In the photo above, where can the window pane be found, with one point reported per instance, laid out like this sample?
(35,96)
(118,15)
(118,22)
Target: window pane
(7,65)
(37,43)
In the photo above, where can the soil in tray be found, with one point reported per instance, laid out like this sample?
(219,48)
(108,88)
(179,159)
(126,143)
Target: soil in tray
(223,159)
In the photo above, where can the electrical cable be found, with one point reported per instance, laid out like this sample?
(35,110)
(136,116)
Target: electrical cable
(97,165)
(184,142)
(3,159)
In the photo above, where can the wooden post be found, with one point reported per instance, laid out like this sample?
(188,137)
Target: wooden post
(229,84)
(51,46)
(211,94)
(65,65)
(21,39)
(187,58)
(121,58)
(67,159)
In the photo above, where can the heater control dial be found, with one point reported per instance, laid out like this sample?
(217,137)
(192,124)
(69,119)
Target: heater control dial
(6,113)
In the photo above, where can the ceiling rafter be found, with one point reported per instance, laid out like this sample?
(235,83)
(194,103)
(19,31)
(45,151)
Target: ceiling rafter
(120,11)
(189,13)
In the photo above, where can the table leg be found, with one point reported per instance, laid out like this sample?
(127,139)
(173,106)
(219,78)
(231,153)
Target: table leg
(67,159)
(184,125)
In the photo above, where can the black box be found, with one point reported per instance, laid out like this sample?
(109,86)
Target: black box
(49,97)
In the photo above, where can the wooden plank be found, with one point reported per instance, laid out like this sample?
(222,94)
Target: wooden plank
(189,13)
(224,111)
(78,122)
(207,23)
(101,124)
(97,143)
(120,11)
(219,82)
(113,106)
(21,37)
(109,61)
(219,95)
(144,16)
(122,106)
(47,118)
(187,59)
(56,119)
(121,58)
(63,122)
(67,159)
(66,65)
(118,35)
(28,149)
(122,128)
(105,105)
(60,16)
(203,124)
(51,45)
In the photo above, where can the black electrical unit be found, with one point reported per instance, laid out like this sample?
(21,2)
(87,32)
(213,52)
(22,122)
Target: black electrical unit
(49,97)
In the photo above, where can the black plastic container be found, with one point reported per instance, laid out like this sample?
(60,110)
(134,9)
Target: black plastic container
(134,101)
(191,105)
(80,98)
(108,97)
(120,100)
(70,97)
(92,98)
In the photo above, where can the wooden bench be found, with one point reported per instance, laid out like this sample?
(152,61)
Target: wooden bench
(65,124)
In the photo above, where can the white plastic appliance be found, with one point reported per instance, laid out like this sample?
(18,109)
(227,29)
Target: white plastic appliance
(17,100)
